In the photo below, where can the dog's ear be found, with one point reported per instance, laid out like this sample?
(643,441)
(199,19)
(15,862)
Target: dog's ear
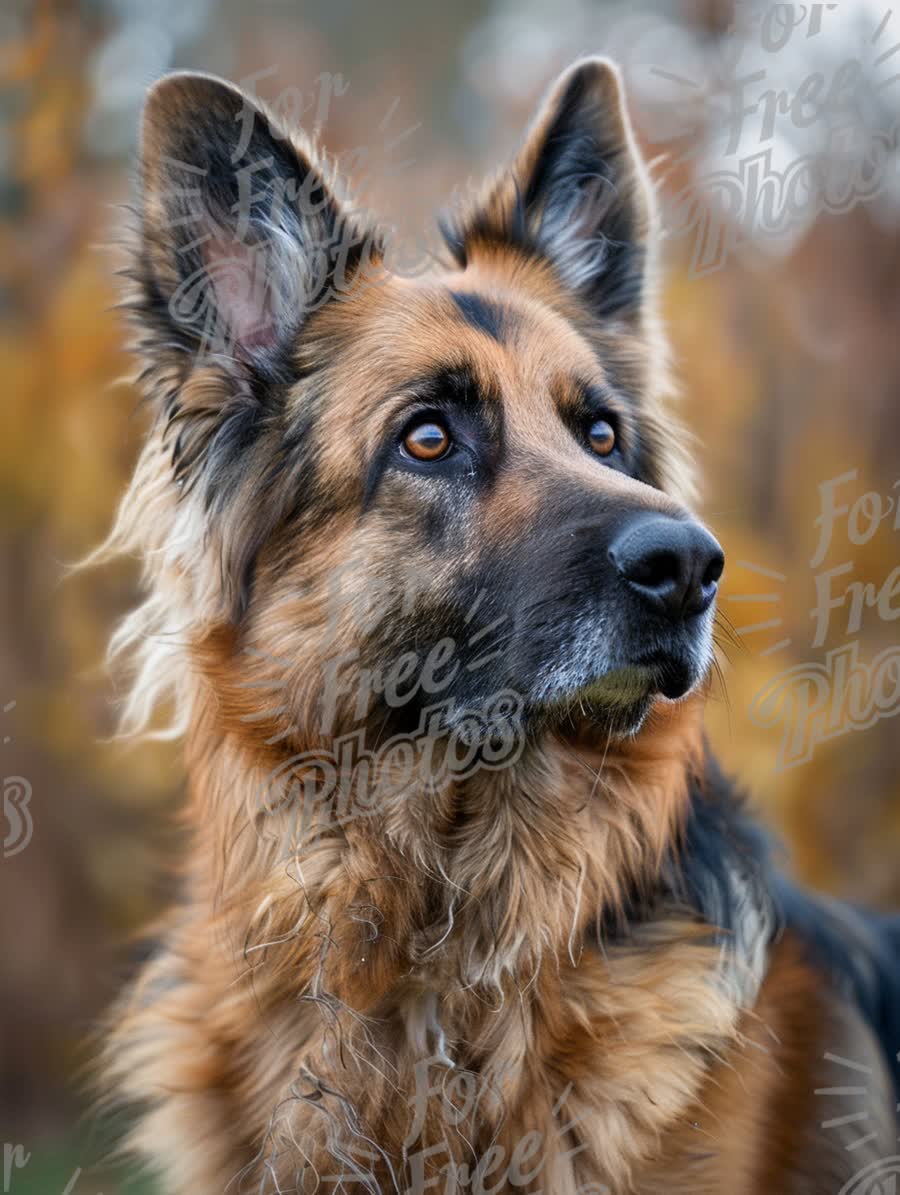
(241,234)
(577,194)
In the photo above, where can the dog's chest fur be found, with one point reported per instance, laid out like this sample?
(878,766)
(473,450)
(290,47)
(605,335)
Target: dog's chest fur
(435,999)
(434,1006)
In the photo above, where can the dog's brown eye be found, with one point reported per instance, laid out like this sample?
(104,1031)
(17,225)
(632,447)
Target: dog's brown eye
(602,437)
(427,441)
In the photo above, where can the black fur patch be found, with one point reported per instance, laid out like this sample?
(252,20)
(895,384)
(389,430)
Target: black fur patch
(725,856)
(481,314)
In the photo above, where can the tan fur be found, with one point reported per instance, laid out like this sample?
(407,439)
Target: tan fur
(324,990)
(764,1121)
(489,973)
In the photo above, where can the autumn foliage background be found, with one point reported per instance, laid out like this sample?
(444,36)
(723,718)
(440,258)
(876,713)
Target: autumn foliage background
(788,353)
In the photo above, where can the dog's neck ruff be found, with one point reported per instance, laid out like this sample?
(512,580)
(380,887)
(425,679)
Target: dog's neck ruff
(536,934)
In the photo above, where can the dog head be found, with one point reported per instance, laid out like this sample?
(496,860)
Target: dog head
(378,492)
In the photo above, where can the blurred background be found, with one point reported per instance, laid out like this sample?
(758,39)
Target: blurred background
(772,129)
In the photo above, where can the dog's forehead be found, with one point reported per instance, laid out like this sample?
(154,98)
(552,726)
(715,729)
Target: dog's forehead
(518,348)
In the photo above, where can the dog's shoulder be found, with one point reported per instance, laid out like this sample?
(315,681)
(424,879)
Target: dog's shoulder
(857,953)
(727,870)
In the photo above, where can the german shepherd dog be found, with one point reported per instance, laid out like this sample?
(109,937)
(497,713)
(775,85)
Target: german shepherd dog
(466,906)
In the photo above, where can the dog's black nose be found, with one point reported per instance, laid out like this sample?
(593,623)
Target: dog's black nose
(673,565)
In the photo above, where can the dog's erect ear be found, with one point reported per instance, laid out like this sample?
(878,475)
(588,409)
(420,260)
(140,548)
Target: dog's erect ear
(577,194)
(241,235)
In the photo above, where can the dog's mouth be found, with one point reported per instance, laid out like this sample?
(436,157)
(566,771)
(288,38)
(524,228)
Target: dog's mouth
(671,674)
(620,699)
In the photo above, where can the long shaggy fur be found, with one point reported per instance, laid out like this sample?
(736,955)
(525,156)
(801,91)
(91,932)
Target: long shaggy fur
(571,973)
